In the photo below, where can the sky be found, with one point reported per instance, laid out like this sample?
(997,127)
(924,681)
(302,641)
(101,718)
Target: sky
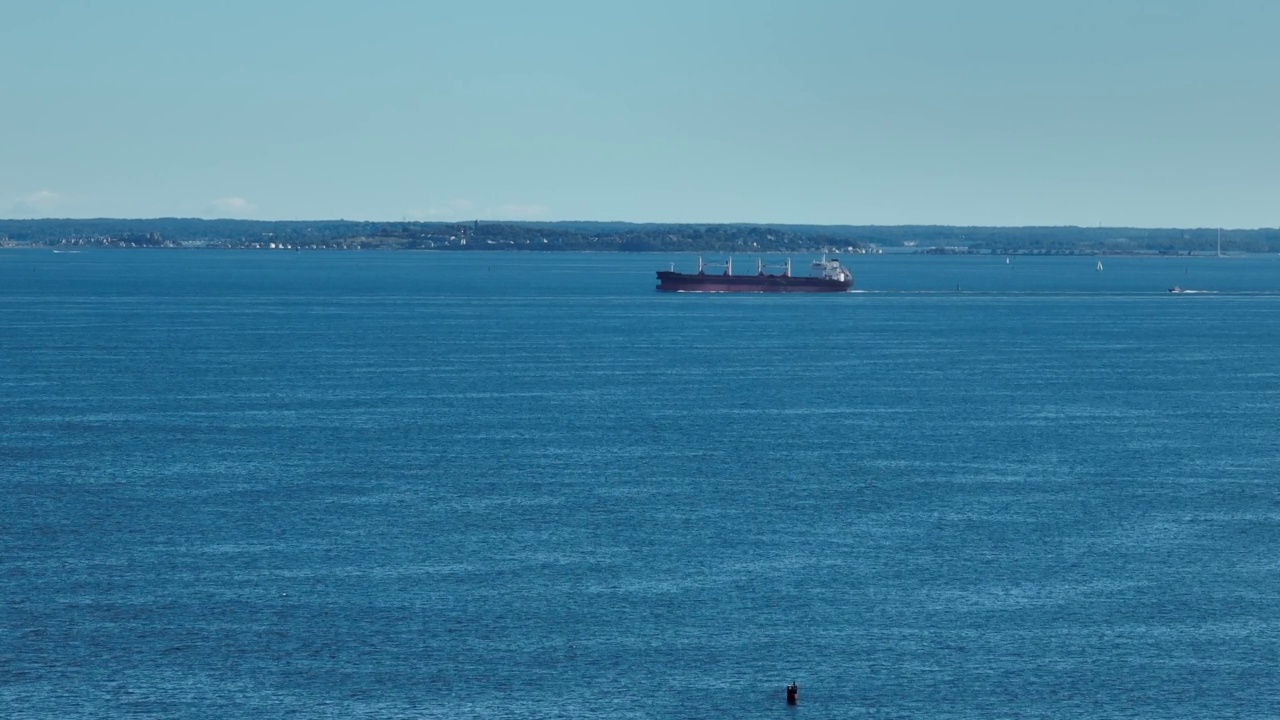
(860,112)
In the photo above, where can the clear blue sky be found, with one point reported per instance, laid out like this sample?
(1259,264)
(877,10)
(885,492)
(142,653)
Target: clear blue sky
(988,112)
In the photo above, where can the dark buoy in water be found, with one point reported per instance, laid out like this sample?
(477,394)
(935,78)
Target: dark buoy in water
(793,694)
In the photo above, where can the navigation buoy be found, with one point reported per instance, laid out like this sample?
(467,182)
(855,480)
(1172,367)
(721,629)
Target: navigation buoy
(793,694)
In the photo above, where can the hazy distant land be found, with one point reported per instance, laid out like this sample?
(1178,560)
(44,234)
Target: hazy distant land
(623,237)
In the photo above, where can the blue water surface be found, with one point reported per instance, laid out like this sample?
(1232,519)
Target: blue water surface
(434,485)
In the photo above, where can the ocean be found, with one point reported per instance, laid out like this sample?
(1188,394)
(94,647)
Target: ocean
(501,485)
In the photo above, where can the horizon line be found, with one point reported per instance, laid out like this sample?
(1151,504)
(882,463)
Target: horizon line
(629,222)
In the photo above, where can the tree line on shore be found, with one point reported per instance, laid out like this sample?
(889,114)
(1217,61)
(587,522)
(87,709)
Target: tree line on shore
(619,236)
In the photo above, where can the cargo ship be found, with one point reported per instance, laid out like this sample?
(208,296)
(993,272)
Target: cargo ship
(826,275)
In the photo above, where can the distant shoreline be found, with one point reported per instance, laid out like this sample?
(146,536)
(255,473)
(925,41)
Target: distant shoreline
(744,238)
(76,249)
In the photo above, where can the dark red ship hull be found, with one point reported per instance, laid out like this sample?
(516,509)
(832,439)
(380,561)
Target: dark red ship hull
(669,281)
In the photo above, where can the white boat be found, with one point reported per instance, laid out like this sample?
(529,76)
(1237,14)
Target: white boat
(1099,268)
